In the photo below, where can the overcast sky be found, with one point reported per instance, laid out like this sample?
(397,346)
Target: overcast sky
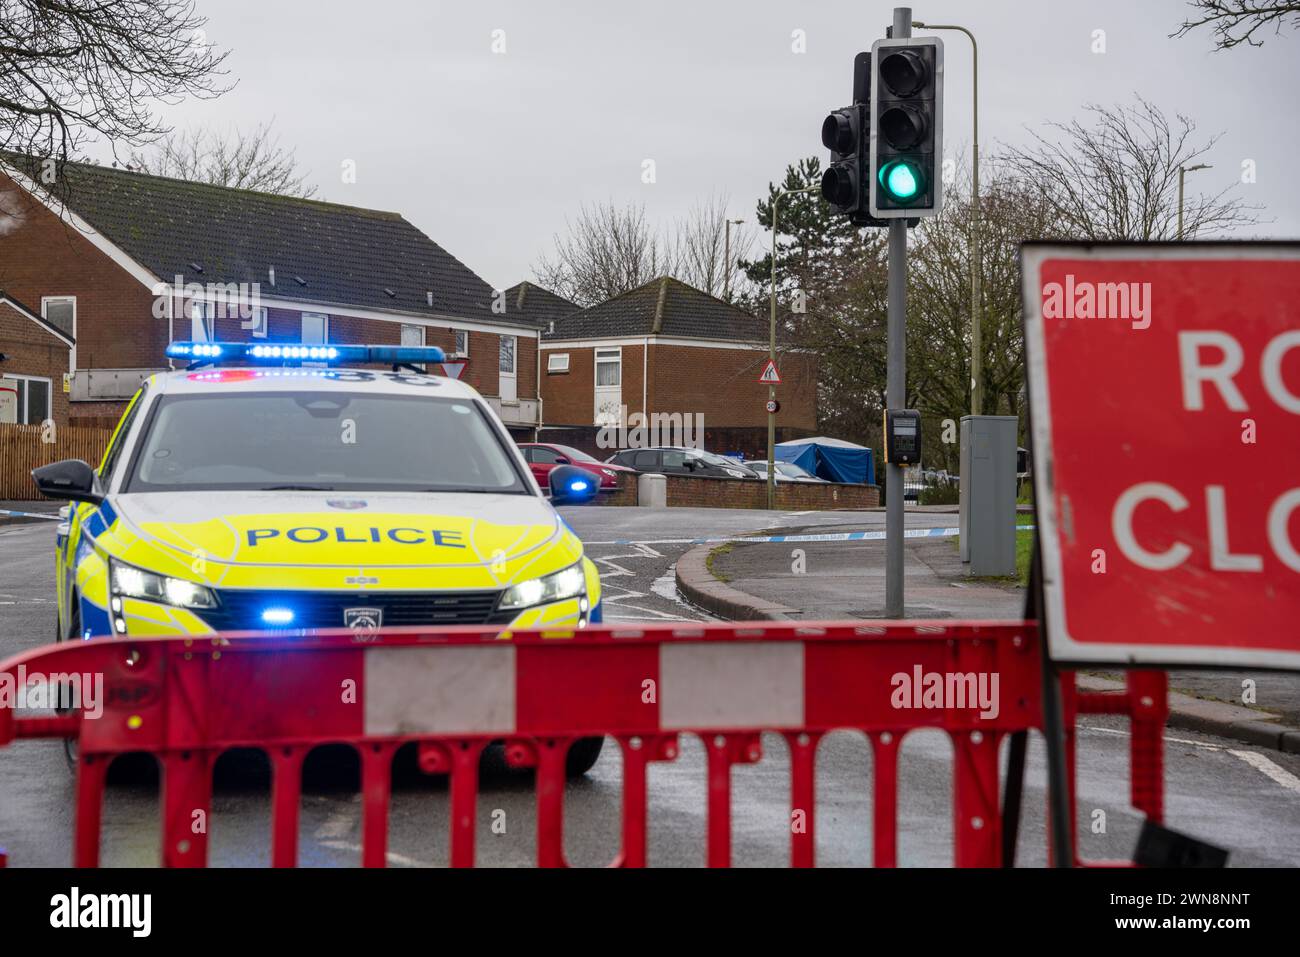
(489,152)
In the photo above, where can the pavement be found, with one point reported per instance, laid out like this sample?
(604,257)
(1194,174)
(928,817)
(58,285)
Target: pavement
(813,580)
(1238,797)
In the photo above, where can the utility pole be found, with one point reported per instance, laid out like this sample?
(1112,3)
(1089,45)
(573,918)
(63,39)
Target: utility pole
(896,380)
(1183,171)
(726,261)
(976,269)
(771,349)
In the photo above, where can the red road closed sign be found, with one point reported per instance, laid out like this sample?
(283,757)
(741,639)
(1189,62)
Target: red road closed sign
(1165,403)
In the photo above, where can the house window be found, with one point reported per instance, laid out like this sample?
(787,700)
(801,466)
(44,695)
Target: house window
(557,362)
(61,312)
(412,335)
(24,400)
(508,355)
(315,328)
(609,367)
(256,323)
(462,342)
(201,316)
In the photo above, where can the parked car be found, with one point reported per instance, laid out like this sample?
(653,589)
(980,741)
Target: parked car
(785,472)
(670,460)
(542,457)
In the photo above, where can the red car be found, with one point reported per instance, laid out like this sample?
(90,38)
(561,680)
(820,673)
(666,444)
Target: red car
(543,456)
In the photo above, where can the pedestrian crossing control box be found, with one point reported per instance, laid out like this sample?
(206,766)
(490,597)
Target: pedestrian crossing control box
(902,436)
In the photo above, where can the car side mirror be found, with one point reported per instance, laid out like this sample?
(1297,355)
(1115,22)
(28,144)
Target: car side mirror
(571,485)
(70,479)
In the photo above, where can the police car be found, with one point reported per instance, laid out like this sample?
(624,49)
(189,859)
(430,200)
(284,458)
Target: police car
(288,492)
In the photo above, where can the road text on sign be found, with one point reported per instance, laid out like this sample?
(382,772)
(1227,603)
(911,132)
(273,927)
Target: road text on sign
(1165,389)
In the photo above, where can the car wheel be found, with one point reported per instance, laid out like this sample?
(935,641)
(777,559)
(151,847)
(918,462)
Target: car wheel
(582,756)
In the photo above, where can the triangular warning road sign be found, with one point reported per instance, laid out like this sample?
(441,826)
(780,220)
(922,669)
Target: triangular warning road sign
(769,373)
(452,370)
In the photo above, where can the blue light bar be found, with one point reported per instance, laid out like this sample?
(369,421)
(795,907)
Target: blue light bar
(278,616)
(278,353)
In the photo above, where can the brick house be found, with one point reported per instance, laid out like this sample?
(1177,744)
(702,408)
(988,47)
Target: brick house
(34,356)
(136,261)
(665,349)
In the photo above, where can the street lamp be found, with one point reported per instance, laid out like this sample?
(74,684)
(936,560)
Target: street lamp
(976,277)
(1183,171)
(726,261)
(771,348)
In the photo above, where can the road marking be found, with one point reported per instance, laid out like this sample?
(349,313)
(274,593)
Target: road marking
(401,860)
(1269,769)
(824,537)
(1259,762)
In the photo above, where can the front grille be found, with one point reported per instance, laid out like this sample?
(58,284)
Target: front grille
(241,609)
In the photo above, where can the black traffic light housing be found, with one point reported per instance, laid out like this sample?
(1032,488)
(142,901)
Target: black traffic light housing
(845,184)
(905,129)
(842,183)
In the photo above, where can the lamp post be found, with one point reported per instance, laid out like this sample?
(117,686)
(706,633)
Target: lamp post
(976,271)
(726,261)
(771,349)
(1183,171)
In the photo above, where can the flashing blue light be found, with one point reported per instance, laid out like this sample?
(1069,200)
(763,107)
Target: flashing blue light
(304,352)
(278,616)
(578,486)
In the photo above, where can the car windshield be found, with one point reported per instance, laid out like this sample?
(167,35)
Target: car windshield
(320,441)
(712,458)
(790,469)
(574,455)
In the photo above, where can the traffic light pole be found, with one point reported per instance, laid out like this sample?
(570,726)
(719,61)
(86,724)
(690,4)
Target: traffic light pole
(896,380)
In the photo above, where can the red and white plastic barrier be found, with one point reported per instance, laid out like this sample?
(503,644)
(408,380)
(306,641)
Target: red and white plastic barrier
(454,691)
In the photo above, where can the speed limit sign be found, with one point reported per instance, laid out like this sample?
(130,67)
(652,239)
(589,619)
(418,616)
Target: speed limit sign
(773,406)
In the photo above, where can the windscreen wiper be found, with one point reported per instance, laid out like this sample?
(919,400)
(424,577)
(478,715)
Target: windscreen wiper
(296,488)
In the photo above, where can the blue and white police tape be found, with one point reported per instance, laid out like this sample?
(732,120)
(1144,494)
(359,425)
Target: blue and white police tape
(825,537)
(6,511)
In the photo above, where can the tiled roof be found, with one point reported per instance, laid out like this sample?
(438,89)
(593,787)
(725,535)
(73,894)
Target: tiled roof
(322,252)
(539,306)
(663,307)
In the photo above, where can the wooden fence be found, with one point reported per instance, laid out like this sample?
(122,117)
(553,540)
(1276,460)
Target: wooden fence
(25,447)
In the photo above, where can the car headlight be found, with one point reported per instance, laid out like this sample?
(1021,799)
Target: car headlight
(610,472)
(134,582)
(566,583)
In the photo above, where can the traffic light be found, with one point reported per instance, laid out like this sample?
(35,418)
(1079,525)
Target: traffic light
(843,185)
(905,129)
(844,133)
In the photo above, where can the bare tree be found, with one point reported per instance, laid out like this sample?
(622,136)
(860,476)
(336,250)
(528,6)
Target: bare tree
(1117,178)
(608,251)
(701,253)
(245,160)
(74,69)
(1237,21)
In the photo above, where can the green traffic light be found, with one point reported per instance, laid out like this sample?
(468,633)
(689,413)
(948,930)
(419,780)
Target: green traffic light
(902,180)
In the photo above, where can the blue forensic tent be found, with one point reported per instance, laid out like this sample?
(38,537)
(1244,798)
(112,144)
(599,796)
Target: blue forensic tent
(832,459)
